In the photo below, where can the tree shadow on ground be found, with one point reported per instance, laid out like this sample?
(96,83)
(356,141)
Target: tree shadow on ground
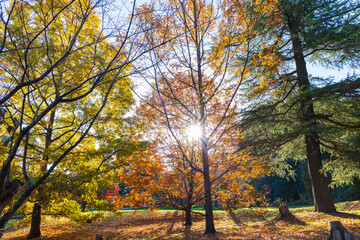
(236,219)
(240,217)
(172,223)
(344,215)
(187,232)
(324,232)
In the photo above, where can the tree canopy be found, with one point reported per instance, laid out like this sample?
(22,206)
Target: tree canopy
(181,102)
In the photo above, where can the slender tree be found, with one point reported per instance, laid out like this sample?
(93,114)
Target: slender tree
(188,85)
(157,183)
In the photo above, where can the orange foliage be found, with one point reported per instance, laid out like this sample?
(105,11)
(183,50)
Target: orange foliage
(165,172)
(245,31)
(168,225)
(189,85)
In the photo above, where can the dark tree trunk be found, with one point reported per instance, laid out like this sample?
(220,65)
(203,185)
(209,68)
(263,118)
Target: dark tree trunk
(323,200)
(339,232)
(35,222)
(284,216)
(188,220)
(10,191)
(36,214)
(209,218)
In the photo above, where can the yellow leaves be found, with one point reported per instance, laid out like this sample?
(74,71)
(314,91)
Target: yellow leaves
(141,224)
(267,58)
(61,26)
(145,11)
(249,22)
(155,25)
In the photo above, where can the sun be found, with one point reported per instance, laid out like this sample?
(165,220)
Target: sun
(194,132)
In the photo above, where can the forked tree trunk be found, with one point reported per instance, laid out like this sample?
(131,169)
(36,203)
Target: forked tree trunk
(323,200)
(35,222)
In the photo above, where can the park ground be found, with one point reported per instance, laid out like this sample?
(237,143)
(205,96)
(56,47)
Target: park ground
(168,224)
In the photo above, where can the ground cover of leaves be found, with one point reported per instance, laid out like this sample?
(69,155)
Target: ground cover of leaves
(241,224)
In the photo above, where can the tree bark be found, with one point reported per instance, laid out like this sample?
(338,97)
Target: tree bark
(35,222)
(36,214)
(209,218)
(284,215)
(339,232)
(188,220)
(9,192)
(323,200)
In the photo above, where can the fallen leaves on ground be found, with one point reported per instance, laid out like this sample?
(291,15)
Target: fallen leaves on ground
(242,224)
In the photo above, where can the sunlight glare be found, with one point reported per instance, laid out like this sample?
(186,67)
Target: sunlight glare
(194,132)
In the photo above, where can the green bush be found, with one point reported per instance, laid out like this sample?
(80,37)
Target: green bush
(71,209)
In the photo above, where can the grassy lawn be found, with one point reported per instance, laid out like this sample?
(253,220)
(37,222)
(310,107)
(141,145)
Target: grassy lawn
(168,224)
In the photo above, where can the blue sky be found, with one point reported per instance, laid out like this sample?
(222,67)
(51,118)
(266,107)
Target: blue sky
(338,74)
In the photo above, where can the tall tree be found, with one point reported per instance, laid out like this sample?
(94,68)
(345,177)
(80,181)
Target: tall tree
(300,30)
(189,85)
(91,164)
(56,60)
(171,175)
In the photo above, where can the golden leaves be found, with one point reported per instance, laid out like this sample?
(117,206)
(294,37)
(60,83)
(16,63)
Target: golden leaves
(241,224)
(245,32)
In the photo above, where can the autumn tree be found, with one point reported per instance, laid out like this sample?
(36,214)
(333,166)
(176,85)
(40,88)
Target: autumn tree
(162,173)
(171,176)
(189,85)
(59,69)
(155,183)
(180,185)
(294,114)
(91,165)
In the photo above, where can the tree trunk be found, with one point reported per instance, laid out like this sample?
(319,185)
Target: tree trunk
(9,192)
(209,218)
(188,220)
(35,222)
(36,214)
(285,214)
(339,232)
(323,200)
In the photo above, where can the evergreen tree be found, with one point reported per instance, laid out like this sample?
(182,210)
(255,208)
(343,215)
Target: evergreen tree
(290,119)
